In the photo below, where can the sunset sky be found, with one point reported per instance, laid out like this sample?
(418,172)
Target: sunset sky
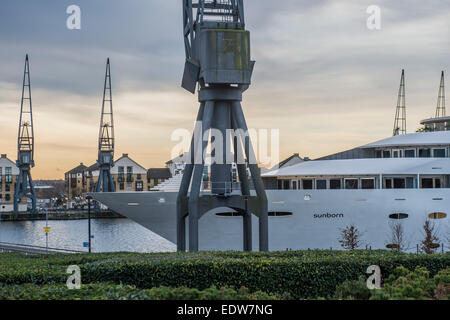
(321,77)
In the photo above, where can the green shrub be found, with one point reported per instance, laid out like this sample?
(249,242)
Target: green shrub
(301,274)
(105,291)
(418,285)
(353,290)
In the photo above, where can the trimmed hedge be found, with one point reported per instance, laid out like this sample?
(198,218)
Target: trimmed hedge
(301,274)
(111,291)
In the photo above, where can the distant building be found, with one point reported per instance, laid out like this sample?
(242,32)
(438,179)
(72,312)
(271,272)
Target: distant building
(127,174)
(76,182)
(8,178)
(294,159)
(156,176)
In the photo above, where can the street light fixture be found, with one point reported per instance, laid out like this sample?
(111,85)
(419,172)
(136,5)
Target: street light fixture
(89,199)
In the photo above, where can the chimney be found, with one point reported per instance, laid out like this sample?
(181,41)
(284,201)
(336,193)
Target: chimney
(3,155)
(125,155)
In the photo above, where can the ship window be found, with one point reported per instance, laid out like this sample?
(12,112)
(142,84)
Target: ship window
(279,214)
(229,214)
(410,183)
(396,153)
(427,183)
(351,183)
(280,184)
(399,183)
(286,184)
(437,215)
(368,183)
(437,183)
(388,183)
(439,153)
(398,216)
(424,153)
(410,153)
(321,184)
(307,184)
(294,185)
(386,154)
(378,154)
(335,184)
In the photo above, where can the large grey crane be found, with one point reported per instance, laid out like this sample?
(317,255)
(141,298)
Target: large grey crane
(105,159)
(25,145)
(217,50)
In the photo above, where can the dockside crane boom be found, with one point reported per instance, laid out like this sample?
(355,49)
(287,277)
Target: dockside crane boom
(25,145)
(105,159)
(440,109)
(400,113)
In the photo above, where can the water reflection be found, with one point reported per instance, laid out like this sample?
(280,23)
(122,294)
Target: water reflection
(110,235)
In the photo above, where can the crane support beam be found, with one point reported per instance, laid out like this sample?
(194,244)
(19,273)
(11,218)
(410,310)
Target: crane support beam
(218,60)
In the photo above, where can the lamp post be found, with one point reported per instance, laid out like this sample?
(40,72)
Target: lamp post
(89,198)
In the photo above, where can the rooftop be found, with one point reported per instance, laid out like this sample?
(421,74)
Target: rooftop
(392,166)
(413,139)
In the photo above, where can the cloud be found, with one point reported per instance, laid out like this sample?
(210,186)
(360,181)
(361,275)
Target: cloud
(321,76)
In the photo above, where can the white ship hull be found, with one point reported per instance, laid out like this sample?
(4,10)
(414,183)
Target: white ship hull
(315,223)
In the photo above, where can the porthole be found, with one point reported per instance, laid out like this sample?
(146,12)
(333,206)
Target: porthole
(437,215)
(279,214)
(229,214)
(398,216)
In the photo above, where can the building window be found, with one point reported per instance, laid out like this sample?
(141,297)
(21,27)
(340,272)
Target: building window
(0,176)
(121,176)
(129,174)
(7,197)
(439,153)
(424,153)
(368,183)
(129,186)
(8,174)
(321,184)
(307,184)
(7,187)
(139,186)
(335,184)
(351,184)
(121,186)
(139,176)
(410,153)
(386,153)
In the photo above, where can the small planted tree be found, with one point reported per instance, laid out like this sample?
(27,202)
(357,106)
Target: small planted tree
(398,238)
(350,238)
(430,243)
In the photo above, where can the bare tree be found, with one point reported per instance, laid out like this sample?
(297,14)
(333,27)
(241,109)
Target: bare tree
(350,238)
(398,239)
(430,243)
